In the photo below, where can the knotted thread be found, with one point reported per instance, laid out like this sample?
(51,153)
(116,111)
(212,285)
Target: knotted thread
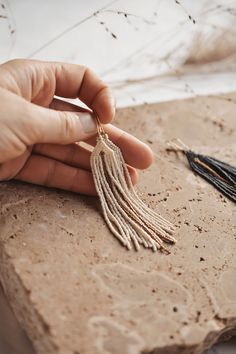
(127,216)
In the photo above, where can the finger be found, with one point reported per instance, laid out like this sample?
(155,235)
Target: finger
(135,152)
(79,81)
(44,125)
(46,79)
(30,124)
(52,173)
(72,154)
(11,167)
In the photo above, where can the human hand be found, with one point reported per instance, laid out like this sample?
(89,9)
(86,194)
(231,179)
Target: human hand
(38,132)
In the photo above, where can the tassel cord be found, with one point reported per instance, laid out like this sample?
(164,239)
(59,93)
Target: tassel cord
(126,215)
(138,202)
(139,212)
(113,201)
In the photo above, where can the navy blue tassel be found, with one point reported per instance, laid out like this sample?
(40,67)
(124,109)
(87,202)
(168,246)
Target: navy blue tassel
(220,174)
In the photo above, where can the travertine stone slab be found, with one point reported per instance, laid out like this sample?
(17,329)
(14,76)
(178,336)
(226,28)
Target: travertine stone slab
(76,290)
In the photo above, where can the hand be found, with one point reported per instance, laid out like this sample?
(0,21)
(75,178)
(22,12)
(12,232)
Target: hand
(39,133)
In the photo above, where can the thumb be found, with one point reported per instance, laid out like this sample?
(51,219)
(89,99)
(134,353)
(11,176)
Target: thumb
(60,127)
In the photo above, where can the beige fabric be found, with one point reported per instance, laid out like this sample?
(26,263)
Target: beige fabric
(126,215)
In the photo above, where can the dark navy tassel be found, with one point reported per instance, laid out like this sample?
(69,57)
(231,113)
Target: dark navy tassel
(220,174)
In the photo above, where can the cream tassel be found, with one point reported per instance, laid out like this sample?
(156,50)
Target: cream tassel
(126,215)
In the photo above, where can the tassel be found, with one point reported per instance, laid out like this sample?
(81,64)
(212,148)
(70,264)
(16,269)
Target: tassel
(220,174)
(126,215)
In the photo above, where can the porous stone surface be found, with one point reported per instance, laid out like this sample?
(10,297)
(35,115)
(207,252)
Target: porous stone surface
(76,290)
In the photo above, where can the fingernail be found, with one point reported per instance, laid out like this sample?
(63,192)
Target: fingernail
(88,123)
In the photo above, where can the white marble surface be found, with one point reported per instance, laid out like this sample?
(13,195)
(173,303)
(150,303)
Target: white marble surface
(137,46)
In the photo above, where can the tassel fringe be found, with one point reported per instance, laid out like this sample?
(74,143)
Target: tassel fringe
(127,216)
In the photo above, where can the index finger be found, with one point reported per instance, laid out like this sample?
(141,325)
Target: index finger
(136,153)
(78,81)
(37,79)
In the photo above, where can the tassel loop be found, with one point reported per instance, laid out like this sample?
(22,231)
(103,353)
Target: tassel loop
(177,145)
